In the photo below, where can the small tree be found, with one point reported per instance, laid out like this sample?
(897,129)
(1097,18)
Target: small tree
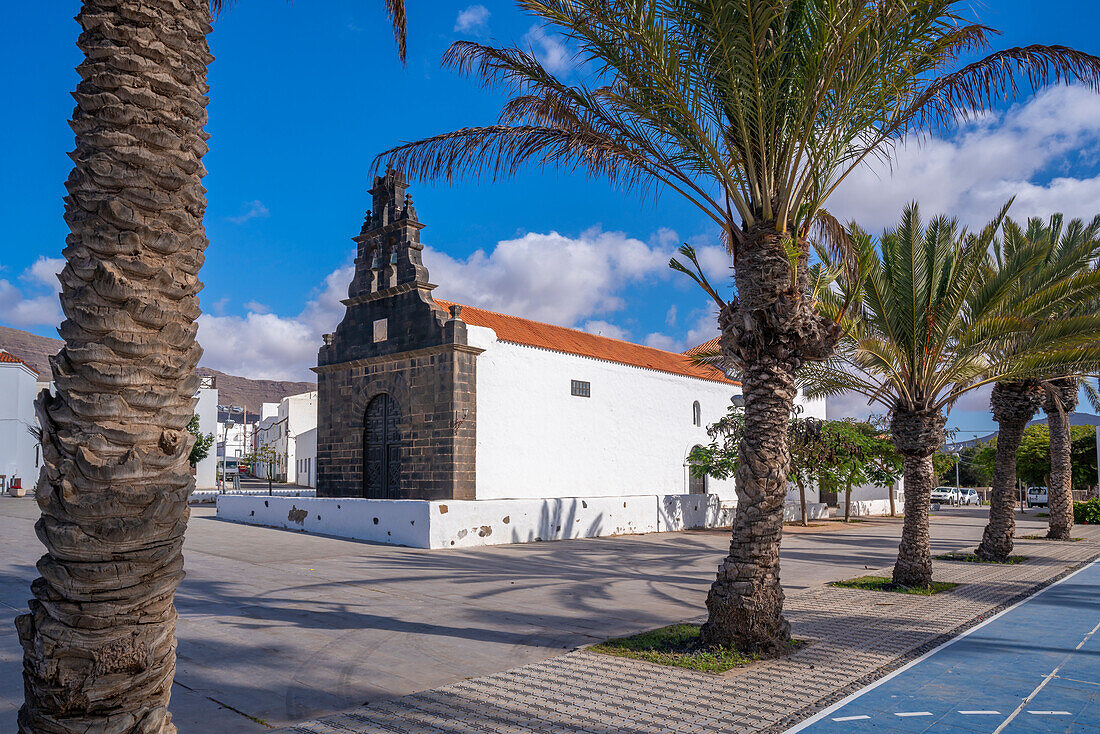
(201,449)
(268,457)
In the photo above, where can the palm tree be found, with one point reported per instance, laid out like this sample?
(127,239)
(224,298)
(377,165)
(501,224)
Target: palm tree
(1060,399)
(754,111)
(99,642)
(938,317)
(1068,253)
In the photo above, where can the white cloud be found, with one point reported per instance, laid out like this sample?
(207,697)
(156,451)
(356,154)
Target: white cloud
(269,346)
(670,317)
(550,277)
(251,210)
(35,303)
(550,51)
(256,307)
(473,19)
(704,329)
(606,328)
(1027,151)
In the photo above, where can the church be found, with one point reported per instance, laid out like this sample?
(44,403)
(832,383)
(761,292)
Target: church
(493,428)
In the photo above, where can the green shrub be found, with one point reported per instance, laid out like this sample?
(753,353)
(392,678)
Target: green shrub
(1087,513)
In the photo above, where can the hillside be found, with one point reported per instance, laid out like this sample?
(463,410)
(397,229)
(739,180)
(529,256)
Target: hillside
(232,390)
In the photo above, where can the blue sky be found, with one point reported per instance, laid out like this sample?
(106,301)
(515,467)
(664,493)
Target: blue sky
(305,94)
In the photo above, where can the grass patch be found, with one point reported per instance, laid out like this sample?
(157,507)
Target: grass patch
(798,524)
(885,583)
(1042,514)
(973,558)
(1043,537)
(677,645)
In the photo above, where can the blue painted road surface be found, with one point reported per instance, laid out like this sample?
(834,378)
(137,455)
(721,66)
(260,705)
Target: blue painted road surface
(1034,668)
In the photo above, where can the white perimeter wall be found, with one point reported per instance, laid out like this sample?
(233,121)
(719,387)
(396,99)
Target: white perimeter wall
(535,439)
(18,388)
(207,411)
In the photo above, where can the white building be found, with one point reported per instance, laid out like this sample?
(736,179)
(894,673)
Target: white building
(207,410)
(20,455)
(306,461)
(281,428)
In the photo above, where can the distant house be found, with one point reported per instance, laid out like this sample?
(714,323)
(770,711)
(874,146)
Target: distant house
(20,455)
(282,428)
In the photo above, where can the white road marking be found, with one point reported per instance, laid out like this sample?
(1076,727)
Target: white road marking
(980,713)
(1049,677)
(914,713)
(821,715)
(850,718)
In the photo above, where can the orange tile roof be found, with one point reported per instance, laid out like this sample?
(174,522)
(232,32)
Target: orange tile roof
(706,347)
(572,341)
(10,358)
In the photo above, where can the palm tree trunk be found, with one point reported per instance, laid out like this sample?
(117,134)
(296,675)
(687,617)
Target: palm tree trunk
(768,332)
(1013,404)
(917,436)
(745,603)
(99,641)
(1061,400)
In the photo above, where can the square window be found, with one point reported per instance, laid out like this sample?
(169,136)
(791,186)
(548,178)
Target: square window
(381,328)
(581,389)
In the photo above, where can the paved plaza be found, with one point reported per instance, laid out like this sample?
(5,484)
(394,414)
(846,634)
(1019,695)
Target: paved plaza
(278,628)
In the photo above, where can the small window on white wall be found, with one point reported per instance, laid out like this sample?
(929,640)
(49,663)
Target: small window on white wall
(697,414)
(580,388)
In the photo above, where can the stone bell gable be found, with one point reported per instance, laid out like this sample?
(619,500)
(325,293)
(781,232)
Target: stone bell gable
(396,380)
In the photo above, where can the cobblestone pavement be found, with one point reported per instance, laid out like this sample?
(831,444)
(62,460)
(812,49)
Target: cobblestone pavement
(855,637)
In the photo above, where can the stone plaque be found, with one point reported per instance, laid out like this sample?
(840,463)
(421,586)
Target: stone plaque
(380,330)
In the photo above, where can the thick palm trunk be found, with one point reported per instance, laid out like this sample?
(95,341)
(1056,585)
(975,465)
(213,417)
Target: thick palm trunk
(1013,404)
(917,436)
(99,641)
(1061,400)
(768,332)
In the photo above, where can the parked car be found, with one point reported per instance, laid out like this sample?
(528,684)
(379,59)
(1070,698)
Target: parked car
(950,495)
(1037,497)
(969,496)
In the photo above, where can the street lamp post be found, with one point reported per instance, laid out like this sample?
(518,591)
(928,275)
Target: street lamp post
(225,451)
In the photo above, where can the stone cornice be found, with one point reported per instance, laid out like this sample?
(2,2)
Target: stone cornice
(388,293)
(396,357)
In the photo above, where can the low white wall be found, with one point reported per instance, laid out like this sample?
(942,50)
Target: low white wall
(693,511)
(792,511)
(467,523)
(868,508)
(471,523)
(399,522)
(209,495)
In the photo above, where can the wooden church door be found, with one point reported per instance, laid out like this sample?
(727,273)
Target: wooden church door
(381,450)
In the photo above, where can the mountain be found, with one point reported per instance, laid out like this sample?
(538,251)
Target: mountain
(232,390)
(1075,419)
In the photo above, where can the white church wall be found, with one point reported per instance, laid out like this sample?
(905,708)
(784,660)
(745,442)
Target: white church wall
(632,436)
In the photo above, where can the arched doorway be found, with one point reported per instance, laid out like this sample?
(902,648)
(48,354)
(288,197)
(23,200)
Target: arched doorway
(381,450)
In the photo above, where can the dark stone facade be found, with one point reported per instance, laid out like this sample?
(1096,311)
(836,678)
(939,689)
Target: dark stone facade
(394,340)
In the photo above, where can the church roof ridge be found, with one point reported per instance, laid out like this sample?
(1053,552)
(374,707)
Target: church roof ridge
(532,333)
